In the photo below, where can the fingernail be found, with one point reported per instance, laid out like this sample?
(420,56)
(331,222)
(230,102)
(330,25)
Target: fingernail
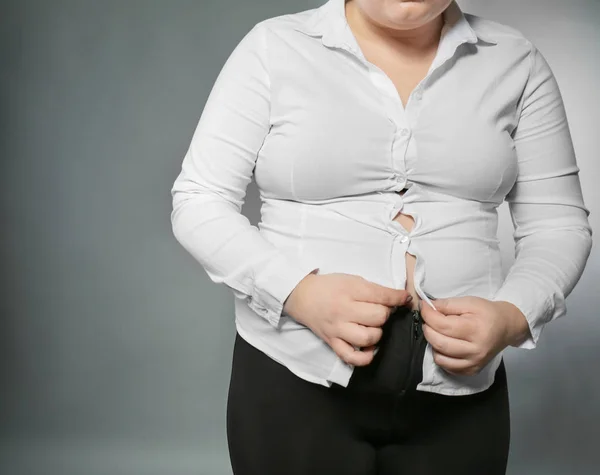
(409,298)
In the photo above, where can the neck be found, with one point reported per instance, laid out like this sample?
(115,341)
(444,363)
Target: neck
(416,40)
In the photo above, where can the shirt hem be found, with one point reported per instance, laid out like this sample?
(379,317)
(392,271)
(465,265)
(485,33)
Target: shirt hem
(340,374)
(260,344)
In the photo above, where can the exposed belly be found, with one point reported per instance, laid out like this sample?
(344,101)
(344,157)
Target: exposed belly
(407,223)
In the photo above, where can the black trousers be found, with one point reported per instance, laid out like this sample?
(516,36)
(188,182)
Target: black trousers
(280,424)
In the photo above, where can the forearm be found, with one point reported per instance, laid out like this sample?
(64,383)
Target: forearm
(547,267)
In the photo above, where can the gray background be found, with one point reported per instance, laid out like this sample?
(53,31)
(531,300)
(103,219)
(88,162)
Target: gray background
(115,346)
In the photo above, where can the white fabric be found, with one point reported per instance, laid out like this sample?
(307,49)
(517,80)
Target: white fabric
(330,144)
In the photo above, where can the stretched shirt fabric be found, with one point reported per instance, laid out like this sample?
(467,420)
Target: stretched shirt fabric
(330,144)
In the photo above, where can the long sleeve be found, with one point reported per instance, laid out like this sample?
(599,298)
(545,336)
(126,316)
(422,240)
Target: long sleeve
(210,190)
(553,238)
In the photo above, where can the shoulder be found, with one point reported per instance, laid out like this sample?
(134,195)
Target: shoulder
(512,43)
(260,38)
(501,33)
(517,49)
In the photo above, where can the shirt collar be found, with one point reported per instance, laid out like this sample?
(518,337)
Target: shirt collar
(329,22)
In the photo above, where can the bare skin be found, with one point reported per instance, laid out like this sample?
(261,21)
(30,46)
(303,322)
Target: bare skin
(401,38)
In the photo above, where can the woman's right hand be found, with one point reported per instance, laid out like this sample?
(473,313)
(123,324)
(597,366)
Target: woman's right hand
(346,311)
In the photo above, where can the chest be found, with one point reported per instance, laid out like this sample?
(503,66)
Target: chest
(337,130)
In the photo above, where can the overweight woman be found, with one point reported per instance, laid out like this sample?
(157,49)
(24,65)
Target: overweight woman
(370,305)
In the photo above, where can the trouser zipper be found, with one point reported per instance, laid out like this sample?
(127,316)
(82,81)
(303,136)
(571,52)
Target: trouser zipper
(416,324)
(417,334)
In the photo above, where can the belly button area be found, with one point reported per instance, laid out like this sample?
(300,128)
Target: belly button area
(407,223)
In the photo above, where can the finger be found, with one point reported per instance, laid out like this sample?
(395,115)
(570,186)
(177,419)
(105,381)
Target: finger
(372,292)
(452,365)
(359,335)
(455,305)
(349,354)
(446,345)
(456,366)
(370,314)
(454,326)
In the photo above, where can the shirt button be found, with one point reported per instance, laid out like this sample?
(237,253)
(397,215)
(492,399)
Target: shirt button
(404,132)
(403,238)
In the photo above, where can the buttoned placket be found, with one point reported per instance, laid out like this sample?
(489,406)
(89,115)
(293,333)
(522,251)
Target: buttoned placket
(404,118)
(339,35)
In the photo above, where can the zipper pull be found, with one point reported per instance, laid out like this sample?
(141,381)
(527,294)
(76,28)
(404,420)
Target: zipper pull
(416,322)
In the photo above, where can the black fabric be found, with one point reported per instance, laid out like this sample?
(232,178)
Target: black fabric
(281,424)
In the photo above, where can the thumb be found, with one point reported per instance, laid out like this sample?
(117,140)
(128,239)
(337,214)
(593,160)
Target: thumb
(397,297)
(403,296)
(451,306)
(370,291)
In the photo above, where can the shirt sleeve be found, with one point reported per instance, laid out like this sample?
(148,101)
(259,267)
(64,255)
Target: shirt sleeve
(209,192)
(553,237)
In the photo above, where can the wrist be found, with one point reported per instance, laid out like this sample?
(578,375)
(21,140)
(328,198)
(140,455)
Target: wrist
(289,303)
(517,326)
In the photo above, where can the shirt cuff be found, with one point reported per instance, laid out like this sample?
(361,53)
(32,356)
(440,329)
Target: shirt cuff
(274,285)
(536,307)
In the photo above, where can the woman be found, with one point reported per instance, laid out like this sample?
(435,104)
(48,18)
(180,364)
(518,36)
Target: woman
(371,310)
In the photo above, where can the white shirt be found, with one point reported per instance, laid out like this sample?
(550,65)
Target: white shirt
(330,144)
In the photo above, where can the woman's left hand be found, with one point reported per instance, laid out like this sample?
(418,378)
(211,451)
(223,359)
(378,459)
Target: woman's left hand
(467,332)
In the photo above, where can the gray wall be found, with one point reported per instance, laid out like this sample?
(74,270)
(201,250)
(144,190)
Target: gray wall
(115,347)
